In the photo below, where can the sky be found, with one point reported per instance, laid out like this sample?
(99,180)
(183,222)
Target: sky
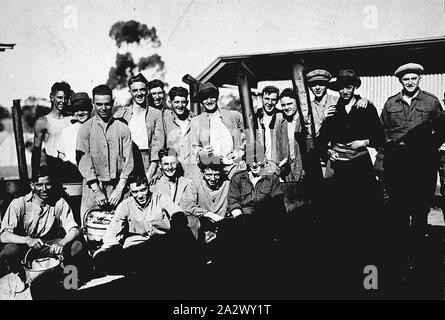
(68,39)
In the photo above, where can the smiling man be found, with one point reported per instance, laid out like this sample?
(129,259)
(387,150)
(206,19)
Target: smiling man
(415,158)
(177,129)
(41,220)
(104,154)
(146,126)
(47,129)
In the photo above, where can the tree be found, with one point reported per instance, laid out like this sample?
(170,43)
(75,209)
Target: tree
(133,41)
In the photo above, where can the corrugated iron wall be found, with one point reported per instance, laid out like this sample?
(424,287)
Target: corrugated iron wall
(379,89)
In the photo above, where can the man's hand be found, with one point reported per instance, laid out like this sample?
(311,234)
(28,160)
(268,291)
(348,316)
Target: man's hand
(329,111)
(236,212)
(362,103)
(100,197)
(34,243)
(333,155)
(57,248)
(358,144)
(116,195)
(235,154)
(206,151)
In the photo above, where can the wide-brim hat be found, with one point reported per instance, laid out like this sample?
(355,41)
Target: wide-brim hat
(345,77)
(207,89)
(81,101)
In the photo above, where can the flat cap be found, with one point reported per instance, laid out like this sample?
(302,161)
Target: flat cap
(81,101)
(207,90)
(407,68)
(318,75)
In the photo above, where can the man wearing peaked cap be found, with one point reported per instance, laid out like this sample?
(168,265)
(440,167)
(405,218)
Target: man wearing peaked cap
(407,68)
(410,152)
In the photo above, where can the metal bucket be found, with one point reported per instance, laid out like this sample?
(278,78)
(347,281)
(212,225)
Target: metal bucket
(39,266)
(96,221)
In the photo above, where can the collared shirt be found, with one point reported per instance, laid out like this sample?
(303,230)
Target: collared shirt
(131,219)
(138,129)
(67,142)
(398,117)
(153,124)
(176,190)
(104,153)
(319,107)
(251,198)
(25,217)
(200,199)
(200,129)
(267,135)
(178,136)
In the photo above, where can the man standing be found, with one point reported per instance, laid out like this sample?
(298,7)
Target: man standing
(177,129)
(269,117)
(66,146)
(41,220)
(171,181)
(157,94)
(145,123)
(47,129)
(217,132)
(410,151)
(104,154)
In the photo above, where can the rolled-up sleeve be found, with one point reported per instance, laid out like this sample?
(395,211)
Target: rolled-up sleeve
(118,228)
(12,216)
(83,156)
(66,216)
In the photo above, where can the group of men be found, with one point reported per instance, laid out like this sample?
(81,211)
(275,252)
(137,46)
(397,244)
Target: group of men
(171,176)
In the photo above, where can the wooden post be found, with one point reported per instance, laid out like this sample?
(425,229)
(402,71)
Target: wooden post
(19,141)
(193,88)
(311,161)
(248,112)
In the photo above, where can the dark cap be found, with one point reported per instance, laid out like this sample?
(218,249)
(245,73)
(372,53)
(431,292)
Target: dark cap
(81,101)
(206,90)
(345,77)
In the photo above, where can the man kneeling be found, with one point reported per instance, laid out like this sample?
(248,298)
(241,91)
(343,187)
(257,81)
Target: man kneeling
(146,233)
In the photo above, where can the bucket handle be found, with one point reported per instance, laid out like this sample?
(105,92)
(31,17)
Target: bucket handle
(25,262)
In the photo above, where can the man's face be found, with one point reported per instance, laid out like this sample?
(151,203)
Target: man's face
(169,164)
(210,104)
(103,105)
(410,82)
(289,106)
(139,193)
(269,101)
(138,91)
(43,187)
(319,89)
(179,105)
(59,100)
(212,178)
(82,115)
(347,92)
(158,95)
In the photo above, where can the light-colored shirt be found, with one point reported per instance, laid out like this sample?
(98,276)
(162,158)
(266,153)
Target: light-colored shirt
(220,137)
(105,153)
(131,219)
(200,199)
(160,184)
(25,217)
(53,132)
(319,107)
(267,136)
(138,129)
(67,142)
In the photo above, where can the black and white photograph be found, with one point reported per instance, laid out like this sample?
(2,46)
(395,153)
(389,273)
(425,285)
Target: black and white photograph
(201,152)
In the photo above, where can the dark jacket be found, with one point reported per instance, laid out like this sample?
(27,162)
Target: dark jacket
(264,197)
